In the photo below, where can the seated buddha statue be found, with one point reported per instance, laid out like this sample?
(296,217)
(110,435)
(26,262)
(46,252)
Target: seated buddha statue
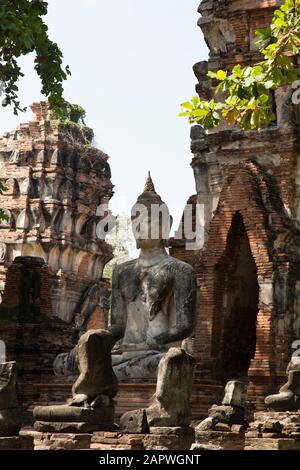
(153,296)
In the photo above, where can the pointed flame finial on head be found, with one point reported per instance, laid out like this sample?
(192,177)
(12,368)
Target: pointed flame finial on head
(149,186)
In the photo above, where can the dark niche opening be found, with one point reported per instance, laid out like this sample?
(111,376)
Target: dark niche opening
(236,277)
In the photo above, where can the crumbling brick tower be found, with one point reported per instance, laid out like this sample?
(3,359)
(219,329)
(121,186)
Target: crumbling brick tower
(55,181)
(249,183)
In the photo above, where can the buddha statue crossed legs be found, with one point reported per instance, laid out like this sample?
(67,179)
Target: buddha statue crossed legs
(153,297)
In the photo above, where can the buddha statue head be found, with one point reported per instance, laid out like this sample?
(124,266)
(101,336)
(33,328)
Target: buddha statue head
(151,220)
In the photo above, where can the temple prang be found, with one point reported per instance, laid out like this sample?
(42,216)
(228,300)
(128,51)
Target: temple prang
(55,181)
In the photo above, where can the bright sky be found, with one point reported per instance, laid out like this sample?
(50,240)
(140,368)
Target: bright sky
(131,63)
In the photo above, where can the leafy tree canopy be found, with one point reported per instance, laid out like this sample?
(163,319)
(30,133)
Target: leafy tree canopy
(247,90)
(22,31)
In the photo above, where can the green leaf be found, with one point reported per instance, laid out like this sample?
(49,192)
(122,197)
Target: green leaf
(195,101)
(221,75)
(200,113)
(246,99)
(211,74)
(187,105)
(264,99)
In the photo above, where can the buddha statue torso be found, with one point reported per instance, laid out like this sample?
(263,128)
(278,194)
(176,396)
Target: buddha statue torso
(152,310)
(153,305)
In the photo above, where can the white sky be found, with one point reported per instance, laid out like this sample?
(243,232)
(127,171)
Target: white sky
(131,63)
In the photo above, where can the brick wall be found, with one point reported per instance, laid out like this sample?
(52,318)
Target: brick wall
(32,335)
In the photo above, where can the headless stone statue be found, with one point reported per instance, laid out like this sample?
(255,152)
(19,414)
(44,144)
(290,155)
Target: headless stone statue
(91,407)
(153,297)
(96,374)
(10,412)
(231,412)
(170,406)
(288,398)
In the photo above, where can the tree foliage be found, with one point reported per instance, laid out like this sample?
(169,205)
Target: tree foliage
(247,90)
(74,113)
(22,31)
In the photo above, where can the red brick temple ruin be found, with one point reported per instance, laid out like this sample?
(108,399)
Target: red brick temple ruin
(248,183)
(55,181)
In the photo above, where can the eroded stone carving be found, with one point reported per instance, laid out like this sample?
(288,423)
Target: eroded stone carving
(170,405)
(230,413)
(288,398)
(218,32)
(135,422)
(153,301)
(2,252)
(235,393)
(48,190)
(96,374)
(10,413)
(91,407)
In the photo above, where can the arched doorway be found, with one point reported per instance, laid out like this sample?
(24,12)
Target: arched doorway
(236,274)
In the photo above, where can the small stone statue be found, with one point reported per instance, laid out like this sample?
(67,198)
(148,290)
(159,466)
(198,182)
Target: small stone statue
(10,411)
(91,407)
(231,412)
(153,297)
(170,406)
(288,398)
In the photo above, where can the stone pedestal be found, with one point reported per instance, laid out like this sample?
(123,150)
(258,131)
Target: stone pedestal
(117,441)
(63,441)
(16,443)
(91,407)
(273,421)
(169,438)
(271,443)
(161,439)
(10,411)
(274,431)
(218,440)
(73,419)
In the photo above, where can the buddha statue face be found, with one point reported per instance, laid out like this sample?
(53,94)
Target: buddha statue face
(151,220)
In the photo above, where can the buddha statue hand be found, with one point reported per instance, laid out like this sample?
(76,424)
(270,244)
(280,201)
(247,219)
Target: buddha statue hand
(156,344)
